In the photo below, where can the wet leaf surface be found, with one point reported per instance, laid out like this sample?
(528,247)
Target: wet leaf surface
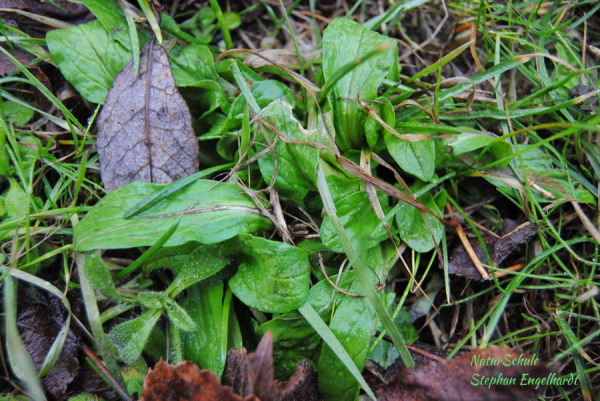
(452,380)
(499,249)
(251,375)
(144,130)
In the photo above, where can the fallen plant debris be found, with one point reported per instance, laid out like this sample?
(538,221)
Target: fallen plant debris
(145,129)
(252,374)
(248,377)
(477,375)
(499,248)
(184,382)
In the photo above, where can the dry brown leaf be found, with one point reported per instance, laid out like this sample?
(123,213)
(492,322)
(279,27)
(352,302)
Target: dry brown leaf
(145,130)
(251,375)
(498,248)
(454,379)
(184,382)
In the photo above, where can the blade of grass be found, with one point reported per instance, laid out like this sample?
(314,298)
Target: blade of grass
(313,318)
(146,255)
(441,62)
(18,356)
(170,189)
(360,269)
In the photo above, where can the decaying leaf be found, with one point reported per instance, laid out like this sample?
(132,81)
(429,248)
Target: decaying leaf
(39,324)
(251,375)
(499,248)
(144,130)
(184,382)
(467,376)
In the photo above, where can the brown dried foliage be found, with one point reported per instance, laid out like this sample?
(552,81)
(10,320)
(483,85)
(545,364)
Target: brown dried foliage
(145,130)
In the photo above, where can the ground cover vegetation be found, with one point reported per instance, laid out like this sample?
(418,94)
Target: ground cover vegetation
(299,200)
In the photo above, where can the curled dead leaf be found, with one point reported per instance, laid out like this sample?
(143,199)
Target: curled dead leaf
(251,375)
(184,382)
(145,130)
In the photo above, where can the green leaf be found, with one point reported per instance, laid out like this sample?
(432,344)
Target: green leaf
(100,278)
(231,20)
(193,262)
(416,158)
(16,201)
(16,113)
(204,345)
(354,324)
(153,300)
(210,212)
(360,221)
(179,317)
(384,354)
(273,277)
(296,163)
(345,42)
(267,91)
(373,128)
(469,141)
(294,338)
(89,58)
(192,64)
(130,337)
(413,229)
(112,17)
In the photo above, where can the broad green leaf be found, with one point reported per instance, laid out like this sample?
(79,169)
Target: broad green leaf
(273,276)
(192,64)
(193,262)
(354,324)
(16,113)
(266,92)
(111,15)
(416,158)
(204,345)
(340,184)
(16,200)
(385,353)
(469,141)
(130,337)
(100,278)
(360,221)
(344,42)
(210,212)
(412,227)
(89,58)
(296,162)
(294,338)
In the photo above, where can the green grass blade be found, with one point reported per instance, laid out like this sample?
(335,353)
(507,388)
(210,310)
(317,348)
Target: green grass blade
(170,189)
(361,270)
(18,356)
(151,251)
(313,318)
